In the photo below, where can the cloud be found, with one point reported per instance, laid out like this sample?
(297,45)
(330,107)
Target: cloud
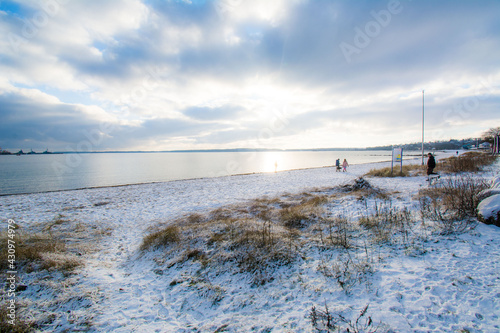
(31,118)
(213,113)
(214,74)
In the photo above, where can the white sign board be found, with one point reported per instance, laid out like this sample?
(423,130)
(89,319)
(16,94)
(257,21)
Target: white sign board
(397,155)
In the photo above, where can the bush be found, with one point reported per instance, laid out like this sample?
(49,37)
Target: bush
(327,321)
(388,222)
(458,194)
(339,229)
(468,162)
(454,203)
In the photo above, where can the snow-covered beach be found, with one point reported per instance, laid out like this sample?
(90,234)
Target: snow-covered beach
(448,283)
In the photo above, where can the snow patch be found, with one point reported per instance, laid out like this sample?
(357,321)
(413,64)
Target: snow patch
(487,193)
(489,210)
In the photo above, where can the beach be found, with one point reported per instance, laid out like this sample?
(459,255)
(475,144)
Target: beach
(446,283)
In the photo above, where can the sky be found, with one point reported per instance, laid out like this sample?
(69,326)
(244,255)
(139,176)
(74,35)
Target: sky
(199,74)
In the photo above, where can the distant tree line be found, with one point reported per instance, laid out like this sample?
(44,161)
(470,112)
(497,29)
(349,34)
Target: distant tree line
(491,136)
(437,145)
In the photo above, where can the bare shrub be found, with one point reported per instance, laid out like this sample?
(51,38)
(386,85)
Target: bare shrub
(457,194)
(460,193)
(347,271)
(327,321)
(387,223)
(468,162)
(339,229)
(454,204)
(259,247)
(322,321)
(431,207)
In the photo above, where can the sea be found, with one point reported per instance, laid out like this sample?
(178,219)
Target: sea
(69,171)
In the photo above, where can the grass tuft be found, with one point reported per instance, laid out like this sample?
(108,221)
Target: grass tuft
(408,171)
(40,251)
(163,237)
(20,326)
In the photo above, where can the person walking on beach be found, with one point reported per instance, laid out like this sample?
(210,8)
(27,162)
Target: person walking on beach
(337,165)
(431,164)
(344,165)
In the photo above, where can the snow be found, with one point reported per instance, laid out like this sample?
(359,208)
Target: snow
(489,208)
(435,284)
(489,205)
(488,193)
(495,182)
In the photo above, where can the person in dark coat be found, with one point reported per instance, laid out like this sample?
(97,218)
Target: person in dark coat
(431,164)
(337,164)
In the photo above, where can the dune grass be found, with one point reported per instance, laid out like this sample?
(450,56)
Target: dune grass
(407,171)
(34,251)
(268,233)
(467,162)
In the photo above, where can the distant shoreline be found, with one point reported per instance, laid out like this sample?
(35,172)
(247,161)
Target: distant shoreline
(187,179)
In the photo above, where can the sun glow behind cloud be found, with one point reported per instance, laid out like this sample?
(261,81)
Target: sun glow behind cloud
(233,73)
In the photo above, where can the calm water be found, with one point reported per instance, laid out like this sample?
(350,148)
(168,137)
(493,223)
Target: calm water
(39,173)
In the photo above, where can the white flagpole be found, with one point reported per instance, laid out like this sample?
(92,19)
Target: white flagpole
(422,127)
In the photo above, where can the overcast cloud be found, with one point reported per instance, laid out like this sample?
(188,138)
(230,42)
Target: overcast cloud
(200,74)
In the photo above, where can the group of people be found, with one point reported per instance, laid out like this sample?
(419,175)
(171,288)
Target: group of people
(344,165)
